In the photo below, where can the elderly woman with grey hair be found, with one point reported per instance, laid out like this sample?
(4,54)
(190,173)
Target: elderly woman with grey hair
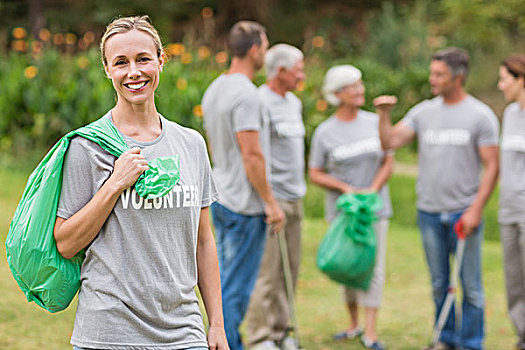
(346,157)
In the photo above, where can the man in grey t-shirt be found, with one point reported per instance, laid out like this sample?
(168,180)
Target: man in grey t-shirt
(457,134)
(268,316)
(236,123)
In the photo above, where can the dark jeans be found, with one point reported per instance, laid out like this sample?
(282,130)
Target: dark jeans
(240,246)
(439,242)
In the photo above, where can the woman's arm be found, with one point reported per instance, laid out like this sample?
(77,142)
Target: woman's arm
(209,282)
(321,178)
(79,230)
(383,173)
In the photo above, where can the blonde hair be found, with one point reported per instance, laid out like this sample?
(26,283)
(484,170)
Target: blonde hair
(125,24)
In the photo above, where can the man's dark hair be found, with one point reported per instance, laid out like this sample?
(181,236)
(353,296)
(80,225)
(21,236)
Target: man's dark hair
(243,36)
(456,59)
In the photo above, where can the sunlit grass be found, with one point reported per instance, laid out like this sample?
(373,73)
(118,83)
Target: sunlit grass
(405,320)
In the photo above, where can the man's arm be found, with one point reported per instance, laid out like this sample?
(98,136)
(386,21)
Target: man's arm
(255,167)
(392,137)
(472,216)
(209,282)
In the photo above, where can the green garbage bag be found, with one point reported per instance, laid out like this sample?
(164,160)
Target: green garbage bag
(45,277)
(347,252)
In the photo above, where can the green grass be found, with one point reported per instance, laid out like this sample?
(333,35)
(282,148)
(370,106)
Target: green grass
(405,320)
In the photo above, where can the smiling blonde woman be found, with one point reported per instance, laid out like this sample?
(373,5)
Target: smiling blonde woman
(144,257)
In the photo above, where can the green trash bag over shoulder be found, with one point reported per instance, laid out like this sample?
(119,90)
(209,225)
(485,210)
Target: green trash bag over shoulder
(44,276)
(347,252)
(163,172)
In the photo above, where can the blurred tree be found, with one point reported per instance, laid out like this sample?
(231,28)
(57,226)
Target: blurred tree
(483,24)
(292,21)
(36,16)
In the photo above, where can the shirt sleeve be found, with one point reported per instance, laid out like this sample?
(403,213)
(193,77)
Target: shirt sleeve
(247,113)
(411,118)
(209,189)
(488,127)
(317,152)
(81,169)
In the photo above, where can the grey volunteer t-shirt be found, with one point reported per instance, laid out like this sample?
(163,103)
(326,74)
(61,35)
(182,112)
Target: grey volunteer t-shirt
(140,272)
(512,166)
(449,137)
(351,152)
(232,104)
(287,144)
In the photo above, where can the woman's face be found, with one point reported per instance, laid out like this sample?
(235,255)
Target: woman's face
(133,66)
(509,84)
(352,95)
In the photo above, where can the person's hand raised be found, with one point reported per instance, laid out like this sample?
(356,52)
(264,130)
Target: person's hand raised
(384,103)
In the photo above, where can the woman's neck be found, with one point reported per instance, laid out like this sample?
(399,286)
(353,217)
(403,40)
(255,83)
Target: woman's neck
(346,113)
(140,122)
(521,99)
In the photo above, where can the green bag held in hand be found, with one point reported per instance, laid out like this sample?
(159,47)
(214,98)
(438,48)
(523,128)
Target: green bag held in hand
(45,276)
(347,252)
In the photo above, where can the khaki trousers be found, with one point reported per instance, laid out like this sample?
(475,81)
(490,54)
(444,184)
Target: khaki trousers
(372,297)
(268,315)
(513,241)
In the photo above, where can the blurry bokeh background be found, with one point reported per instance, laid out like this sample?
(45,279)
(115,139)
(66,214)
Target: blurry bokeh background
(51,77)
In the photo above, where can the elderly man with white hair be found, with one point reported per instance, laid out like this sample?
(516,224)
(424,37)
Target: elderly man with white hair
(268,317)
(346,157)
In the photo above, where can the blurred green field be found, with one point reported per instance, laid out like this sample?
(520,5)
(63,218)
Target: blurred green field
(405,320)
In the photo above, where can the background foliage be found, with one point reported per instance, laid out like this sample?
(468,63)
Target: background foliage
(52,81)
(46,92)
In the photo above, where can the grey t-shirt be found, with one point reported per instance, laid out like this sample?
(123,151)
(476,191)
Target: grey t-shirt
(512,166)
(232,104)
(287,144)
(351,152)
(449,137)
(140,272)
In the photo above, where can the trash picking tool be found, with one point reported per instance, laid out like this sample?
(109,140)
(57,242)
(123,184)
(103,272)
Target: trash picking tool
(452,288)
(288,281)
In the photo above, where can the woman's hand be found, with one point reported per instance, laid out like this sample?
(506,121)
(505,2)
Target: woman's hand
(217,338)
(348,189)
(128,167)
(366,190)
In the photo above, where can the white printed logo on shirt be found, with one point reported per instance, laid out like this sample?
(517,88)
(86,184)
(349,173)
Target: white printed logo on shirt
(287,129)
(447,137)
(179,196)
(513,143)
(370,145)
